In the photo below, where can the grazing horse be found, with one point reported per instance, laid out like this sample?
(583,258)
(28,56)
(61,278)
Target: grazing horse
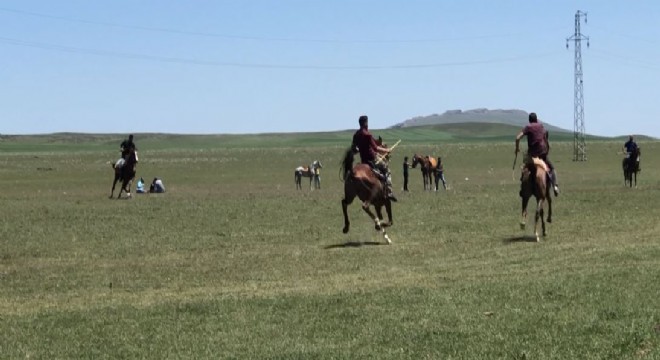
(534,182)
(361,182)
(631,167)
(308,172)
(125,173)
(428,165)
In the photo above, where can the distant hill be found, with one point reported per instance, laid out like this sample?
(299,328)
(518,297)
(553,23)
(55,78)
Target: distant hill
(518,118)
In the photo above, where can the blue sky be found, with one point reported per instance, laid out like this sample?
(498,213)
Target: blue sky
(251,66)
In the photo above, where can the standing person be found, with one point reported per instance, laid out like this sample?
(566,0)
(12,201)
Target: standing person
(126,146)
(365,144)
(537,146)
(317,174)
(440,174)
(406,166)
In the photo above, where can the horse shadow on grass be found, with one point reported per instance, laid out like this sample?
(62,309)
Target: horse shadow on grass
(354,244)
(520,238)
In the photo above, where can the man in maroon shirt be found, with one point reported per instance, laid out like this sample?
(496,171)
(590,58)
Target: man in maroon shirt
(537,146)
(366,145)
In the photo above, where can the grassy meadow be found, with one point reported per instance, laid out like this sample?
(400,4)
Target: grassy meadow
(234,263)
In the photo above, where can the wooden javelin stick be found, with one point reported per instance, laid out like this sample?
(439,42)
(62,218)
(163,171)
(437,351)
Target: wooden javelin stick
(381,157)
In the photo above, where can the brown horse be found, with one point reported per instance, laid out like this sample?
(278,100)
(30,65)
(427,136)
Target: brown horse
(428,165)
(361,182)
(125,173)
(631,167)
(534,182)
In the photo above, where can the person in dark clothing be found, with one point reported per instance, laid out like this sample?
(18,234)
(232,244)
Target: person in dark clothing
(126,146)
(440,175)
(538,146)
(629,146)
(365,144)
(406,166)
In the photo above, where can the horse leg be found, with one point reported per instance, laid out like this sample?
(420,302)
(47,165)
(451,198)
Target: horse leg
(121,189)
(349,195)
(543,222)
(539,213)
(112,192)
(523,218)
(373,217)
(549,199)
(383,224)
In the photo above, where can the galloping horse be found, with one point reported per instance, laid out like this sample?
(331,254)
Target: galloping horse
(534,181)
(125,173)
(428,165)
(360,181)
(631,167)
(308,172)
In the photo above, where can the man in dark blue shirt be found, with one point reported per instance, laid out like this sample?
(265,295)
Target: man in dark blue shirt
(629,146)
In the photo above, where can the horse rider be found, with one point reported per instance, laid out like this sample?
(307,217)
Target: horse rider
(537,146)
(629,147)
(365,144)
(126,146)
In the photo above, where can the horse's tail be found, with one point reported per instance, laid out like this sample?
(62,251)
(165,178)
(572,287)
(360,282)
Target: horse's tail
(347,164)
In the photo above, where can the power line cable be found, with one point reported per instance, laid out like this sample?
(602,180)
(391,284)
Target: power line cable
(256,38)
(105,53)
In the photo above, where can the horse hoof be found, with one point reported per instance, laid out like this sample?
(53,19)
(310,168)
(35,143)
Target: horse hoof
(387,238)
(522,226)
(377,227)
(538,239)
(345,230)
(549,221)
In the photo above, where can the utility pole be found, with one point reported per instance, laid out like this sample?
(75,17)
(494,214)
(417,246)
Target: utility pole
(579,144)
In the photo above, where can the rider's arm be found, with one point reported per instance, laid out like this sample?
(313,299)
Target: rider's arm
(518,137)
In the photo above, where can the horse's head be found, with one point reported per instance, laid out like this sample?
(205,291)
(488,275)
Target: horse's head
(415,160)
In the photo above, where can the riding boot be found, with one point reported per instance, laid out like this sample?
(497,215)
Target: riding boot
(390,192)
(555,185)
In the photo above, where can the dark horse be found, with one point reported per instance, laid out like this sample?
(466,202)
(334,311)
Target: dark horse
(631,167)
(125,173)
(360,181)
(428,165)
(534,182)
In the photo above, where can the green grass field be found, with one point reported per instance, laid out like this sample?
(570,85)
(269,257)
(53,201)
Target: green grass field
(234,263)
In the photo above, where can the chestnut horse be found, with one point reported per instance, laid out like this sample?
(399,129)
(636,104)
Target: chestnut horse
(125,173)
(428,165)
(631,167)
(534,182)
(361,182)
